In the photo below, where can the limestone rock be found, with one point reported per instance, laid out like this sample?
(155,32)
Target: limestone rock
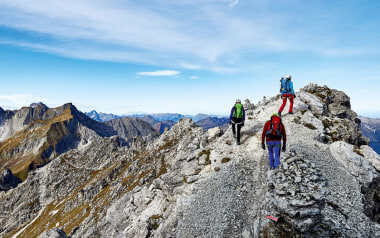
(214,133)
(371,156)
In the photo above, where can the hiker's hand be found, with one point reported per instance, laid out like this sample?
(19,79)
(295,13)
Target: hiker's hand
(284,148)
(242,124)
(295,96)
(263,146)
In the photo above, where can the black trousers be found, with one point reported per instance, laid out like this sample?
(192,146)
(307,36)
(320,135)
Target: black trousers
(236,122)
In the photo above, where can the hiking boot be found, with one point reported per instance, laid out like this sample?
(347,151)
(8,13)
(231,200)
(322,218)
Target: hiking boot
(271,168)
(234,135)
(237,142)
(291,113)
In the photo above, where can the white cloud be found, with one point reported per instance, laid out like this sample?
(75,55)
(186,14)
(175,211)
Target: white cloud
(224,70)
(233,3)
(194,77)
(16,101)
(160,73)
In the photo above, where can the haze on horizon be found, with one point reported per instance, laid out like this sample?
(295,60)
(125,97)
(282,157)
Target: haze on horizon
(185,56)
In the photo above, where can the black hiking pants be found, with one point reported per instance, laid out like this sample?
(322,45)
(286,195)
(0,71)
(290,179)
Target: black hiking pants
(237,122)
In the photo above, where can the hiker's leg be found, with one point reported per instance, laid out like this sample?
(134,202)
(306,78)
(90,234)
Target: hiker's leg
(233,128)
(276,149)
(238,133)
(283,104)
(270,150)
(291,103)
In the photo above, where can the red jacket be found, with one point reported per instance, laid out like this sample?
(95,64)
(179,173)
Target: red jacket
(267,128)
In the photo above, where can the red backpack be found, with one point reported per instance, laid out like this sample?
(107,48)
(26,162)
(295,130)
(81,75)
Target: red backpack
(274,132)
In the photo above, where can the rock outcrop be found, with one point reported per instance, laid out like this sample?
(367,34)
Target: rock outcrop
(8,180)
(186,183)
(333,108)
(297,196)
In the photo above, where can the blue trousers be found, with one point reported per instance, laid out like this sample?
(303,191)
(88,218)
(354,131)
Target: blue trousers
(274,148)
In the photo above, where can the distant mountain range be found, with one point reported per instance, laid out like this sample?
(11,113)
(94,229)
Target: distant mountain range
(162,121)
(101,117)
(371,129)
(211,122)
(32,136)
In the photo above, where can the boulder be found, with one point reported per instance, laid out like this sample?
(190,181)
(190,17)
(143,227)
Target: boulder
(214,133)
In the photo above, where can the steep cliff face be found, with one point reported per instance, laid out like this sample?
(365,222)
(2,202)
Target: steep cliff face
(191,183)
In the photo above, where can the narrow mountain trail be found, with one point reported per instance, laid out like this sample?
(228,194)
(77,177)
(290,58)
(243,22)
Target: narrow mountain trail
(234,194)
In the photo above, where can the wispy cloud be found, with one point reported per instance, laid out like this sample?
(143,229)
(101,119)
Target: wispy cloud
(194,77)
(213,33)
(160,73)
(233,2)
(187,65)
(140,32)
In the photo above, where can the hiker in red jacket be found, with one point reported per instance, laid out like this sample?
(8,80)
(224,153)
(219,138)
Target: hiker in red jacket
(273,131)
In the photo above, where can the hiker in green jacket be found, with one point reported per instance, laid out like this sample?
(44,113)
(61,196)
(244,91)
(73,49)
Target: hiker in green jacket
(237,118)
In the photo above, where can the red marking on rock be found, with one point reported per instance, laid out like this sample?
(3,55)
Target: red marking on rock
(272,218)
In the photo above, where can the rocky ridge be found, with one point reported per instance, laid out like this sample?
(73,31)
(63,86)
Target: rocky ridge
(297,195)
(191,183)
(33,136)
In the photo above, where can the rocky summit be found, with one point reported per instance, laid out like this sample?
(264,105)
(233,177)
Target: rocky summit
(189,182)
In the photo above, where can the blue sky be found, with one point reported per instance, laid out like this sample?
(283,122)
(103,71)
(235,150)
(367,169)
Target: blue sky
(188,56)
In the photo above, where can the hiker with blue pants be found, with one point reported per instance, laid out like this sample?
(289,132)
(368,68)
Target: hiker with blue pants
(237,118)
(274,131)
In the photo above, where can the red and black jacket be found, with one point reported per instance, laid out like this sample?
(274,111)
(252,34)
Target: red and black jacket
(267,127)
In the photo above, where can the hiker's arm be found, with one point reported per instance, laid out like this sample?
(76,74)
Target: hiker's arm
(263,134)
(243,115)
(283,132)
(291,88)
(232,112)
